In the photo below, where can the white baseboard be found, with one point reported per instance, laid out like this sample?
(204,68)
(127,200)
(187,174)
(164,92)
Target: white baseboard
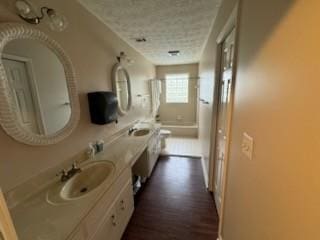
(205,173)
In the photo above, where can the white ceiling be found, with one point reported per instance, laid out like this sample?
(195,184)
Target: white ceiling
(166,24)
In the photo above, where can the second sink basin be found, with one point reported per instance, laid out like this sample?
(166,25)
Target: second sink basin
(91,177)
(141,132)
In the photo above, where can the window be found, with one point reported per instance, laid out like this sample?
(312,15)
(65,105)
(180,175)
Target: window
(177,88)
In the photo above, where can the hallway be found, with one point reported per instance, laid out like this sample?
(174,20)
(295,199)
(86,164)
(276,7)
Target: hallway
(174,204)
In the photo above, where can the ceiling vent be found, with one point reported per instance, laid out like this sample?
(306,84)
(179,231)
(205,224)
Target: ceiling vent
(174,53)
(139,40)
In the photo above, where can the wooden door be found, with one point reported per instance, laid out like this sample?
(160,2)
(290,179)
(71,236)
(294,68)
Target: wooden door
(224,115)
(7,230)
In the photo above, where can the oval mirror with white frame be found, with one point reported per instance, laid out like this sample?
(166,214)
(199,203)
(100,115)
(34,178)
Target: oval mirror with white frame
(122,88)
(38,96)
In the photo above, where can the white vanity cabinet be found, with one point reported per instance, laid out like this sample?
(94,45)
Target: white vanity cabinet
(145,164)
(117,218)
(110,216)
(154,149)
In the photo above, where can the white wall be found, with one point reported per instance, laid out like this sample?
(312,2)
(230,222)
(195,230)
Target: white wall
(92,48)
(276,194)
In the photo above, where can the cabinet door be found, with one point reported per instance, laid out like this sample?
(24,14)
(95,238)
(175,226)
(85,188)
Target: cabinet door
(109,229)
(115,221)
(125,207)
(158,148)
(152,156)
(103,206)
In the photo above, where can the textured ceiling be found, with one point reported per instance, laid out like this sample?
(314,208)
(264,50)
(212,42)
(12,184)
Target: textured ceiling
(166,24)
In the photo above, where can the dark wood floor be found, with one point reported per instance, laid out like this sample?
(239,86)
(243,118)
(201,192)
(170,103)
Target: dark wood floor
(174,204)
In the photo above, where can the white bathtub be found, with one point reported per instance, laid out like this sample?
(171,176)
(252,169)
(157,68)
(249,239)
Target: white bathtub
(182,129)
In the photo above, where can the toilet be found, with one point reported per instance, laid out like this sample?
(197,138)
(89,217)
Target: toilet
(164,134)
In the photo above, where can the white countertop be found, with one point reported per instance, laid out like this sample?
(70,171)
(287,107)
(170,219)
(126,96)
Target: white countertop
(37,219)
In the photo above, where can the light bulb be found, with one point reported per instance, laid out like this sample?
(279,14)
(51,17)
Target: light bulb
(23,8)
(57,21)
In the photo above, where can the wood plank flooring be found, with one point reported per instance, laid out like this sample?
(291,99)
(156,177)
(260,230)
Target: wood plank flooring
(174,204)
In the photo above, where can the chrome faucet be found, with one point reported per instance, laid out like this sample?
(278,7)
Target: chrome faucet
(74,170)
(66,175)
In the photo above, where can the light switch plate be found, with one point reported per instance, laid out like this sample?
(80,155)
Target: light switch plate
(247,145)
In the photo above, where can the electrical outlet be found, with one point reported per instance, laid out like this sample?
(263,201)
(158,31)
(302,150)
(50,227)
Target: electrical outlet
(247,145)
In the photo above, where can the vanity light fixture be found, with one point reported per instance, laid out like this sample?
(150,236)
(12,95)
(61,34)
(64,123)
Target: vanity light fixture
(174,53)
(26,11)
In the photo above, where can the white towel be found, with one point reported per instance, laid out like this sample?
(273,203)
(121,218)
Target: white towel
(155,87)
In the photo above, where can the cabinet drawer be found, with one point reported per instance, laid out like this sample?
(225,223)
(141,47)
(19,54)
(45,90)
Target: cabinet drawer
(115,221)
(125,207)
(98,213)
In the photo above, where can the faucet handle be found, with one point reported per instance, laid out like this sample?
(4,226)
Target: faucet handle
(63,172)
(91,150)
(75,165)
(64,175)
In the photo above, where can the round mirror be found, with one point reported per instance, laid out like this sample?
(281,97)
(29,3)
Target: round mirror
(39,93)
(122,88)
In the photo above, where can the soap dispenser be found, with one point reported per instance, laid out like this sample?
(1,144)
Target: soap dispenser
(103,107)
(99,145)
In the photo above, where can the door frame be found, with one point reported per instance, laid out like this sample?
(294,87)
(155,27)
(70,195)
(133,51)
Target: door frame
(231,23)
(33,87)
(7,229)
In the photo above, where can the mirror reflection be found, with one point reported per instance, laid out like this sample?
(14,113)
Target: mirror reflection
(122,89)
(38,86)
(121,86)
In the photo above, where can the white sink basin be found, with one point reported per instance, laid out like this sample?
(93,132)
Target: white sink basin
(141,132)
(91,177)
